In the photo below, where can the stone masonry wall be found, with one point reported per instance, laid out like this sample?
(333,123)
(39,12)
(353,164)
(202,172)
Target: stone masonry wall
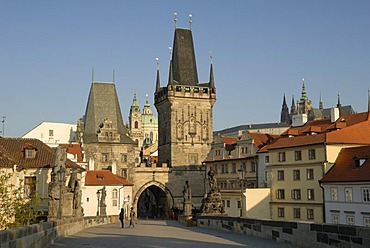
(44,234)
(301,234)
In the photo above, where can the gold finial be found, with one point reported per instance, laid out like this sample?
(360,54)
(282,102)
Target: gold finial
(190,21)
(175,14)
(211,56)
(113,76)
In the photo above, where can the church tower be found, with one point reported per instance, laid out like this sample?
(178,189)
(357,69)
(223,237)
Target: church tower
(184,107)
(284,116)
(136,132)
(105,137)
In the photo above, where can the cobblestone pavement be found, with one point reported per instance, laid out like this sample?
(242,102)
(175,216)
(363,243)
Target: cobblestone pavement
(161,233)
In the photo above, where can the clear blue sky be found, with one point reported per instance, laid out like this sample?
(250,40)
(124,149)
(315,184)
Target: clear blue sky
(261,50)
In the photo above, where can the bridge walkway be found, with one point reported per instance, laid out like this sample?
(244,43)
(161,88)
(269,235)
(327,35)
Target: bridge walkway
(161,233)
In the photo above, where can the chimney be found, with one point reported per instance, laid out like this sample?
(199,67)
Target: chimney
(299,120)
(334,114)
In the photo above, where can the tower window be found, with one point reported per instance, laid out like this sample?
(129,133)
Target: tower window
(104,157)
(136,124)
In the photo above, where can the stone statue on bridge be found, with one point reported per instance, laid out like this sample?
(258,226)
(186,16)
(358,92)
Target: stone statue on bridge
(187,199)
(212,202)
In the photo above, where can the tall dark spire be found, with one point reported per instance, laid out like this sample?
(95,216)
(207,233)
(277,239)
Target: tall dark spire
(293,108)
(183,58)
(170,74)
(211,77)
(284,116)
(158,81)
(338,104)
(304,93)
(321,105)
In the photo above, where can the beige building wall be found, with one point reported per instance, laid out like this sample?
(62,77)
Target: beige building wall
(256,203)
(325,156)
(308,194)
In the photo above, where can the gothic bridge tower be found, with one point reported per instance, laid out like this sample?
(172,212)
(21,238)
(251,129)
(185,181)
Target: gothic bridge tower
(184,107)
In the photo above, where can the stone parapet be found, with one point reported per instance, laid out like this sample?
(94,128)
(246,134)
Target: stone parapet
(296,233)
(44,234)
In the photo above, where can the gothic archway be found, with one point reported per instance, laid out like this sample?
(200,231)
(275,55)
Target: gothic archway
(153,201)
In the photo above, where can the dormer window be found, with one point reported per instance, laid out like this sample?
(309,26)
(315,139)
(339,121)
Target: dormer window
(100,177)
(29,151)
(359,161)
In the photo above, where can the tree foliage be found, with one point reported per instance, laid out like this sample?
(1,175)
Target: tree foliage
(15,210)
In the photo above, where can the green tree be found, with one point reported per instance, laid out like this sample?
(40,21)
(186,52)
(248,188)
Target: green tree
(15,210)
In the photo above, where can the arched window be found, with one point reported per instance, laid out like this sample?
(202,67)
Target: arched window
(151,136)
(136,124)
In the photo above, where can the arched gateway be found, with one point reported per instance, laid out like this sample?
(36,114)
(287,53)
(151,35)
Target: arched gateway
(153,200)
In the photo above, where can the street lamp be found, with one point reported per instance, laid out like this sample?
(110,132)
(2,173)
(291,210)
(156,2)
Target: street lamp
(98,196)
(61,174)
(241,173)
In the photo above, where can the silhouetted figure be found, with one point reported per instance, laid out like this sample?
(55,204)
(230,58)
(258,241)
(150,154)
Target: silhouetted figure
(122,217)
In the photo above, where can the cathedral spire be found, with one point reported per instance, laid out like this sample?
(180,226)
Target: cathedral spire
(158,81)
(211,77)
(293,107)
(284,116)
(321,105)
(304,93)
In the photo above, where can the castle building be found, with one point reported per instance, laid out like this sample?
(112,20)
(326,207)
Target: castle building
(304,108)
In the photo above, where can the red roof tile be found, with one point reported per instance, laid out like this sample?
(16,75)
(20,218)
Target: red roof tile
(350,129)
(105,178)
(345,169)
(45,155)
(261,139)
(228,140)
(74,149)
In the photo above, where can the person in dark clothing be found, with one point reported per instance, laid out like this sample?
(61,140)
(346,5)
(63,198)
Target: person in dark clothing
(122,217)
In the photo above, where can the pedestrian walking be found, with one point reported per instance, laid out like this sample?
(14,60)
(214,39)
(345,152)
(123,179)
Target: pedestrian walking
(132,217)
(122,217)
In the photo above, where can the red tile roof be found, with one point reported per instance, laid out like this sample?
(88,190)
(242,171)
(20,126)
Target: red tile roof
(5,159)
(74,149)
(228,140)
(105,178)
(261,139)
(345,169)
(350,129)
(45,155)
